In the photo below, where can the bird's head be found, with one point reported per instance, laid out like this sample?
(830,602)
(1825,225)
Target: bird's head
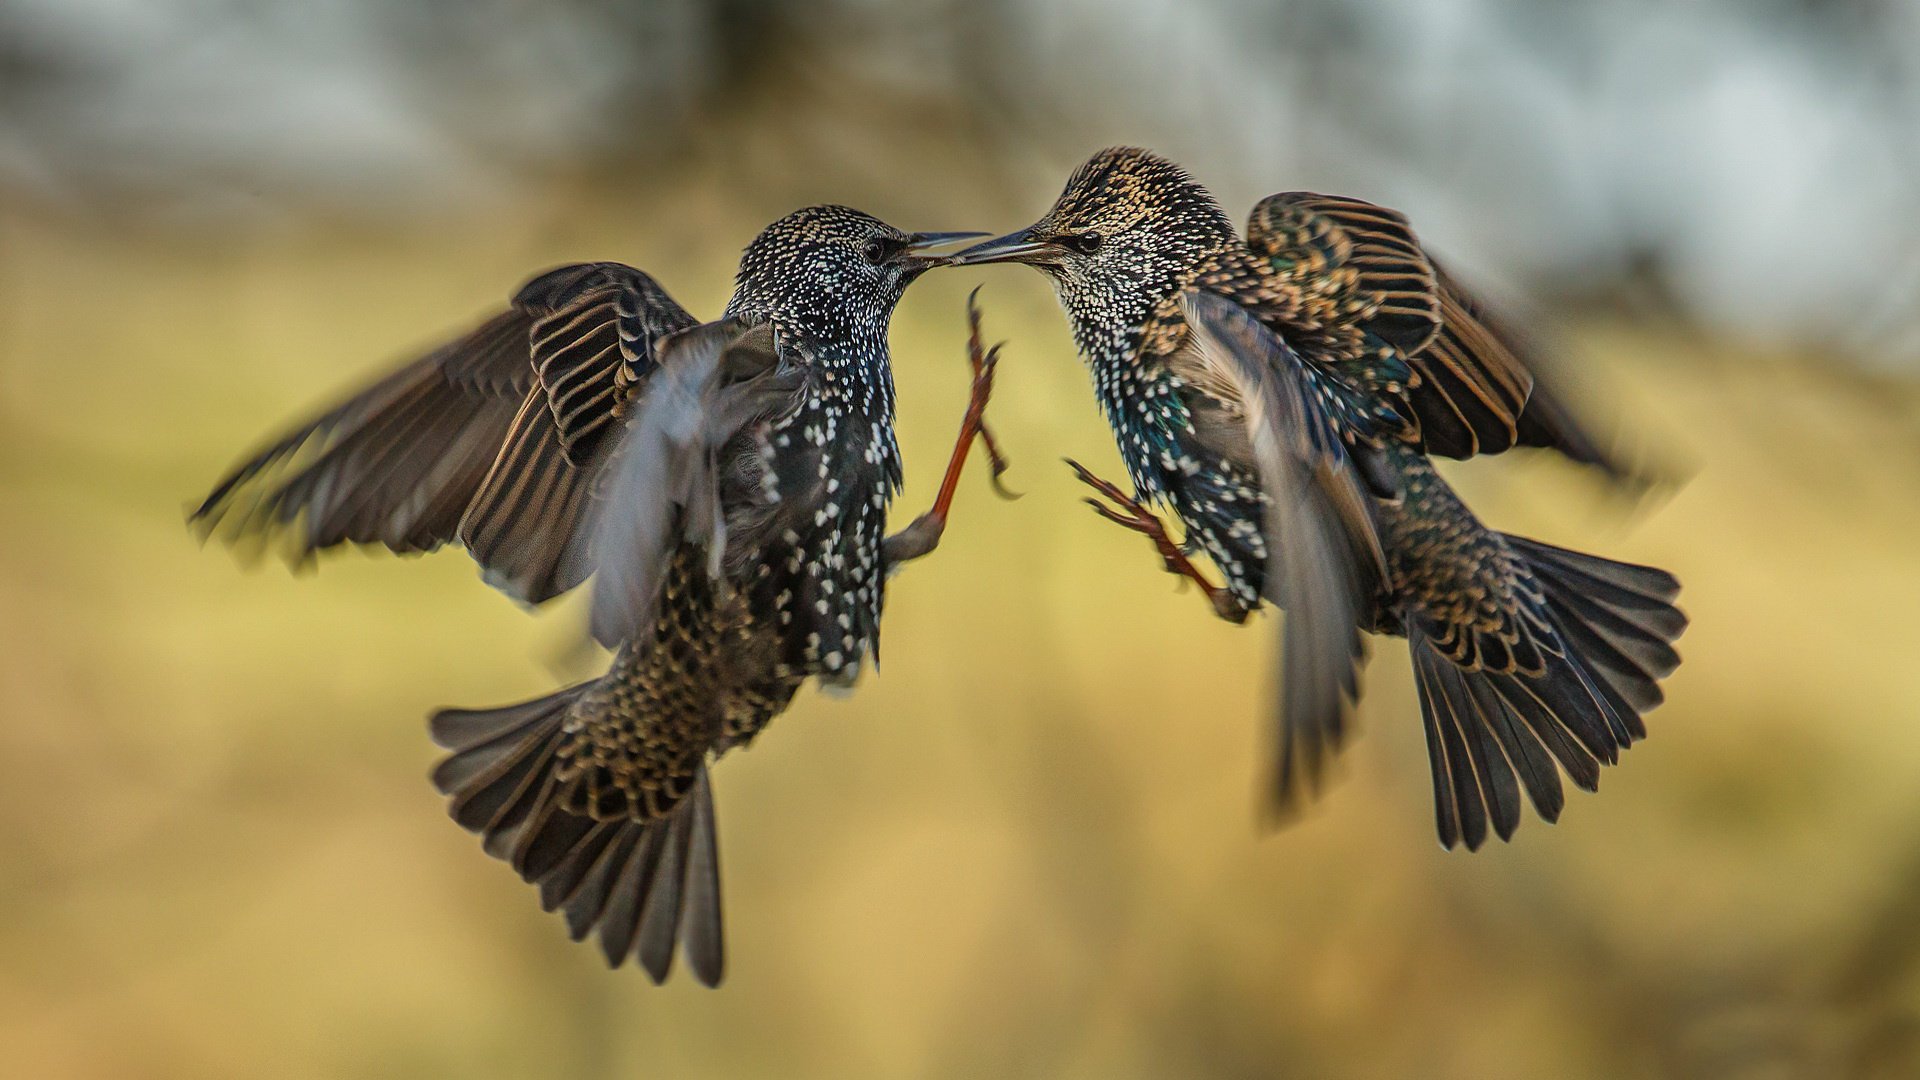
(1128,231)
(832,270)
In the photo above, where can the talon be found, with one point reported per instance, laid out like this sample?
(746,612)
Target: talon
(1001,489)
(1133,516)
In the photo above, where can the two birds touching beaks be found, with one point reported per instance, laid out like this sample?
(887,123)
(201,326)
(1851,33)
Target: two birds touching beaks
(725,485)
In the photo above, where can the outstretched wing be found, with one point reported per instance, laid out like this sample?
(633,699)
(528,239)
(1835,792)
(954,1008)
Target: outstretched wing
(1377,302)
(1324,560)
(675,478)
(489,440)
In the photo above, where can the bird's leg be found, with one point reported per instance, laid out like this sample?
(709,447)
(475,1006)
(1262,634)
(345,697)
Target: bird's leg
(923,535)
(1132,515)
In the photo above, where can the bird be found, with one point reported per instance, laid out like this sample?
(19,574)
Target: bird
(1281,395)
(725,486)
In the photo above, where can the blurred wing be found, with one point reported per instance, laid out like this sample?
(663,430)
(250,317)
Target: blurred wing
(394,464)
(664,484)
(406,461)
(1368,271)
(1548,420)
(1323,554)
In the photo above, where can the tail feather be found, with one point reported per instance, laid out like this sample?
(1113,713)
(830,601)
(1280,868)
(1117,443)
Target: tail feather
(1446,807)
(1647,588)
(1463,788)
(1618,616)
(1453,733)
(644,885)
(564,881)
(548,838)
(495,784)
(585,905)
(1643,595)
(703,933)
(1567,697)
(1530,755)
(659,925)
(1492,734)
(627,890)
(1552,732)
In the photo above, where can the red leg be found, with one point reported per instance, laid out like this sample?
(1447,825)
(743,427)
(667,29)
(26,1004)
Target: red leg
(923,535)
(1132,515)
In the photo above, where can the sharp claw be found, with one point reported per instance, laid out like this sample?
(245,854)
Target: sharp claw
(997,463)
(1103,487)
(1081,474)
(995,458)
(974,356)
(1173,556)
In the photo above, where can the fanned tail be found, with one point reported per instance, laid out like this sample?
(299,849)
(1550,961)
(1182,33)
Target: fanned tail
(1492,733)
(1618,616)
(643,884)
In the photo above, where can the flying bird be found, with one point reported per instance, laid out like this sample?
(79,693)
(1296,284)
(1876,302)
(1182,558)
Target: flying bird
(725,484)
(1280,395)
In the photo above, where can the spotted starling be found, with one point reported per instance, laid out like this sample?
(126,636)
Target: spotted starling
(726,484)
(1280,395)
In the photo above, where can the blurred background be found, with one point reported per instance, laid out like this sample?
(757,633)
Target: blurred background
(1029,846)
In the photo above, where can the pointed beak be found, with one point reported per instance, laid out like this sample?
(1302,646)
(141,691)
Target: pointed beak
(922,242)
(1024,246)
(915,257)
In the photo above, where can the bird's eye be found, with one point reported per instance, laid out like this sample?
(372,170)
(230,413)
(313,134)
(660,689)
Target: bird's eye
(1084,243)
(877,250)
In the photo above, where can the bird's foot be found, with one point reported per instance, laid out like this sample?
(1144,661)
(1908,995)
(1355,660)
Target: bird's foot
(984,362)
(923,535)
(1126,512)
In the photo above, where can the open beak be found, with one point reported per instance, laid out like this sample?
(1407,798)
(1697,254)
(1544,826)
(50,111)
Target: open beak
(1024,246)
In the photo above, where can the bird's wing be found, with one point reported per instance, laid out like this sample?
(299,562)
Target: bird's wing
(1358,274)
(664,486)
(1324,561)
(485,440)
(1549,419)
(593,349)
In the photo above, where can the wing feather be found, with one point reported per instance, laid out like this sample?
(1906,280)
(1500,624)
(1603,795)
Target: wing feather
(665,481)
(1364,273)
(493,440)
(1324,555)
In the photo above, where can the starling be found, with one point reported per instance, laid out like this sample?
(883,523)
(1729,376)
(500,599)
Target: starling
(1280,396)
(726,484)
